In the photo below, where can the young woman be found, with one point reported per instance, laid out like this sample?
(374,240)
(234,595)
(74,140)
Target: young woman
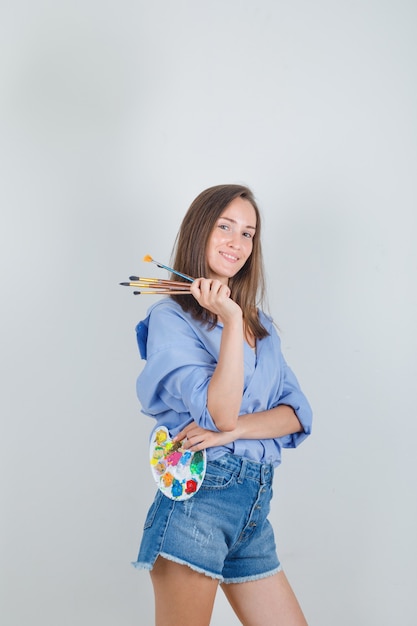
(215,377)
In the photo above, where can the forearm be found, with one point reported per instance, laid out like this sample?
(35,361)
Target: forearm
(225,390)
(270,424)
(277,422)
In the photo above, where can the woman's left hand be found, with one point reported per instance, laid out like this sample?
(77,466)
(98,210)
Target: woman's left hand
(195,438)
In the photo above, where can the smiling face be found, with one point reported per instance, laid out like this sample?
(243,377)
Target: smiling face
(231,241)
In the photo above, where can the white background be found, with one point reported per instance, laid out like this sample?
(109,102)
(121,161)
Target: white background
(114,116)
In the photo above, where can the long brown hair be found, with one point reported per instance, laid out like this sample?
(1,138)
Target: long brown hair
(189,256)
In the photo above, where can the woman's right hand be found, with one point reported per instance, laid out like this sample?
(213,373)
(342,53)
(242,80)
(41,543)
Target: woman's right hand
(195,438)
(214,296)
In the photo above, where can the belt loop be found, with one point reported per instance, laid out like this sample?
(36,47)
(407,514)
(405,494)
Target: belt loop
(242,471)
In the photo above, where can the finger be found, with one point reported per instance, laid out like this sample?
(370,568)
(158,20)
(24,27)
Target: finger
(184,432)
(195,287)
(191,439)
(180,436)
(206,286)
(220,288)
(194,445)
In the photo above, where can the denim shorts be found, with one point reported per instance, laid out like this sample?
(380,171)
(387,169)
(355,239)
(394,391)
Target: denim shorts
(222,530)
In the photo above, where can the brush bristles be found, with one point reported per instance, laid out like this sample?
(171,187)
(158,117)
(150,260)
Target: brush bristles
(148,259)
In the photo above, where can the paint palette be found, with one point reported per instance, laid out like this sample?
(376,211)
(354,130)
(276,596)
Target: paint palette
(177,472)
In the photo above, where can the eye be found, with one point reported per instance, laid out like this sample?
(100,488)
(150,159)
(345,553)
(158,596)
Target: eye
(248,235)
(224,226)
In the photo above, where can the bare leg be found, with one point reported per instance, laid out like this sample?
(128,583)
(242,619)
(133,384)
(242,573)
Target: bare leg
(182,596)
(266,601)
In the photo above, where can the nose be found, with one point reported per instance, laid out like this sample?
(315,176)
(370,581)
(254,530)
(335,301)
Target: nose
(234,241)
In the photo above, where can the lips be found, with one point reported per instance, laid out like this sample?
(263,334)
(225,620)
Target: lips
(229,257)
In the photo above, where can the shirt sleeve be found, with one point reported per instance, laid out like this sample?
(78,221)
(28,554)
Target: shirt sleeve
(178,369)
(292,395)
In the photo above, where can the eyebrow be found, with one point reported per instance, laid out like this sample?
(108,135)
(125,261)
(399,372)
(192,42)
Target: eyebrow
(229,219)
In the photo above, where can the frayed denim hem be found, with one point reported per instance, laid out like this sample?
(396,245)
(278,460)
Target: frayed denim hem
(169,557)
(249,579)
(140,565)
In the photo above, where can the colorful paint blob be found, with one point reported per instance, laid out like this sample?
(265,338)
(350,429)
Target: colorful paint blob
(173,458)
(191,486)
(197,463)
(177,488)
(177,472)
(161,436)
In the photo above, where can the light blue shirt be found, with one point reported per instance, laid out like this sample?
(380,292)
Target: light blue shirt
(181,355)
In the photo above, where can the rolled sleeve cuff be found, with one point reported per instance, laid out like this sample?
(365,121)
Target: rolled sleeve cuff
(304,415)
(206,421)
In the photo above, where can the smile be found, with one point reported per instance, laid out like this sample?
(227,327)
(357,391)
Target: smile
(229,257)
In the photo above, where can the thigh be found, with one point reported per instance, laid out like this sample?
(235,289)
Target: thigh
(268,600)
(182,595)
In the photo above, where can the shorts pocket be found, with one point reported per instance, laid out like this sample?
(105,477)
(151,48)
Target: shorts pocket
(153,510)
(217,477)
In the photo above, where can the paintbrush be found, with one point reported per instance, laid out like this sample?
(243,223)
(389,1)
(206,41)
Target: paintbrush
(160,281)
(149,259)
(162,285)
(162,292)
